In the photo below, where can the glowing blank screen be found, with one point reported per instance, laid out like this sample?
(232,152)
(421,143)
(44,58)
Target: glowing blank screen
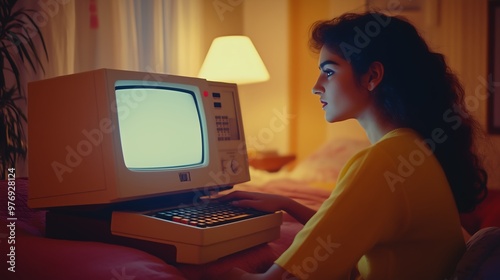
(159,128)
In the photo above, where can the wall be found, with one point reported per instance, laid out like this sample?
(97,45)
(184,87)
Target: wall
(461,34)
(310,129)
(220,18)
(265,106)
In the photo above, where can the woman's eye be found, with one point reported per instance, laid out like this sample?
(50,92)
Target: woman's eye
(328,72)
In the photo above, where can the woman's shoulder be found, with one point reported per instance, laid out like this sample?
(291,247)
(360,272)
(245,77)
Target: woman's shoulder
(389,149)
(403,141)
(399,135)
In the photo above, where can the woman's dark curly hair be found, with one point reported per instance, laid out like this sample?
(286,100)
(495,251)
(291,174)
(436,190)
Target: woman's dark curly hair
(418,91)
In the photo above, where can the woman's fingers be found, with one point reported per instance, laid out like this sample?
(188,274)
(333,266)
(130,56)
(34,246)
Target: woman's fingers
(245,203)
(237,195)
(259,201)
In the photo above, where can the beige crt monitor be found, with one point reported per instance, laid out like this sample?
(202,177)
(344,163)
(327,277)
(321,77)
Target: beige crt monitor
(106,136)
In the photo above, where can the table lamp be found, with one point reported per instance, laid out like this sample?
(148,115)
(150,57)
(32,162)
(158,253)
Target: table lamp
(233,59)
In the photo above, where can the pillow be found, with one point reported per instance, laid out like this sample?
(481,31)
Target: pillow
(323,166)
(481,256)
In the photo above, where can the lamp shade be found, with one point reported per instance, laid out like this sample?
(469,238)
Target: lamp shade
(233,59)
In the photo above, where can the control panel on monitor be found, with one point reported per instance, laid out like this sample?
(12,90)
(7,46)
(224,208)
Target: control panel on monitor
(107,136)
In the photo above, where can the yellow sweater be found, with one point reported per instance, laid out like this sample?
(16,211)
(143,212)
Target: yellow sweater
(392,213)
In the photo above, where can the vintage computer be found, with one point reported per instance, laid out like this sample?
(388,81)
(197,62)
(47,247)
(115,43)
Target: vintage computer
(143,147)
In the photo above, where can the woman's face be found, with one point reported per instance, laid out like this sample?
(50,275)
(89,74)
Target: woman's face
(341,96)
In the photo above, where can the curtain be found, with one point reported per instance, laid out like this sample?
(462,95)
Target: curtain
(158,36)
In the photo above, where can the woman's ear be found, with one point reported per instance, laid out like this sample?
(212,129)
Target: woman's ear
(374,75)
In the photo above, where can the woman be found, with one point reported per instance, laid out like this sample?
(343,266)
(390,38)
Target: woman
(394,211)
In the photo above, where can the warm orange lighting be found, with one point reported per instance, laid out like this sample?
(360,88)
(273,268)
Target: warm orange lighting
(233,59)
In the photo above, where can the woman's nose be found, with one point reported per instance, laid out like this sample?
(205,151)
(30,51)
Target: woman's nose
(317,88)
(316,91)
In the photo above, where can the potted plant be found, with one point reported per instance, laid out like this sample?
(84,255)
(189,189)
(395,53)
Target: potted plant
(18,34)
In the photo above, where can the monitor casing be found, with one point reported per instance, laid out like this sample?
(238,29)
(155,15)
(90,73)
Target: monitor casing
(75,153)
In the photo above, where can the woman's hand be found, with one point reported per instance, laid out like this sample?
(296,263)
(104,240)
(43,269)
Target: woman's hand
(269,203)
(259,201)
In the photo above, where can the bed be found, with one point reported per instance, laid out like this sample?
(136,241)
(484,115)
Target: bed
(310,181)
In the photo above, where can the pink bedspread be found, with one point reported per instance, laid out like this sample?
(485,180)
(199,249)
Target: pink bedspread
(38,257)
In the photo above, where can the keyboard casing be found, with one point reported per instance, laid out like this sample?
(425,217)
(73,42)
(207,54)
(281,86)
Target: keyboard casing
(195,245)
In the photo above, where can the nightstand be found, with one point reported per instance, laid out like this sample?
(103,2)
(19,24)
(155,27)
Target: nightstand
(270,162)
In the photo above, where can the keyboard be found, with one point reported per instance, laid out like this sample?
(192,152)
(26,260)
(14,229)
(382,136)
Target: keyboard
(201,233)
(213,214)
